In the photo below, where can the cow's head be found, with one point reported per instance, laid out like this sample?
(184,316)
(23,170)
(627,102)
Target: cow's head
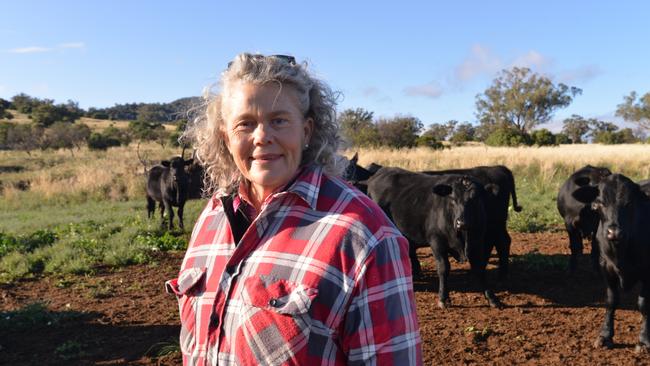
(617,207)
(176,167)
(464,196)
(590,175)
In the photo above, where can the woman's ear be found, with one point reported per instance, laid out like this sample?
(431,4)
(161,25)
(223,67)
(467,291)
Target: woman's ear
(309,129)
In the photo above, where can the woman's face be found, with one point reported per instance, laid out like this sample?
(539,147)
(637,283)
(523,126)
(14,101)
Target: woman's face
(265,133)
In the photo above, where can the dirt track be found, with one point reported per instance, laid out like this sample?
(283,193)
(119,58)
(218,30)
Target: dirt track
(124,317)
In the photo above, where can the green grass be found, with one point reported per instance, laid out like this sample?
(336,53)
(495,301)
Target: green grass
(75,238)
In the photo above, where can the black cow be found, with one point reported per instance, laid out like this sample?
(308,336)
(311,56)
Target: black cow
(196,174)
(447,212)
(580,221)
(356,174)
(624,239)
(168,184)
(645,186)
(496,205)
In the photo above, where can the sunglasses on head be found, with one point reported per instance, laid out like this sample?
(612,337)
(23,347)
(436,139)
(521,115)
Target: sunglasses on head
(288,59)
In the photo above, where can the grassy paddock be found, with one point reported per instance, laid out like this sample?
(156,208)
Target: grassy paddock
(66,214)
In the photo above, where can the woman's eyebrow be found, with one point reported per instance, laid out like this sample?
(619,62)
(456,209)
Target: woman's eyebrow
(279,113)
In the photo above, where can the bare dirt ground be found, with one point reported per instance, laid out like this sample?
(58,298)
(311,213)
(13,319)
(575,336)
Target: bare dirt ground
(123,317)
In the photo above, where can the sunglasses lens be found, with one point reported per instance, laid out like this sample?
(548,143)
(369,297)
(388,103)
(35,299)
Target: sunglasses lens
(288,59)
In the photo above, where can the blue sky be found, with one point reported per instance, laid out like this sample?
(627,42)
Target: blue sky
(424,58)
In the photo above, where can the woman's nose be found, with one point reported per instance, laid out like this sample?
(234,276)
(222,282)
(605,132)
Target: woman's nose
(262,134)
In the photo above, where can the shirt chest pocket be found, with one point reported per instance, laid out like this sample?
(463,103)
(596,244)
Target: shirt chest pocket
(275,322)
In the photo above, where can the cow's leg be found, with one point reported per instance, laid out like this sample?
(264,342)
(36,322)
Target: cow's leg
(478,270)
(595,253)
(613,297)
(442,267)
(180,215)
(503,251)
(170,213)
(575,244)
(415,263)
(151,207)
(644,340)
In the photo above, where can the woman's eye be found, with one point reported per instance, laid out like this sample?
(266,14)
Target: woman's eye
(244,125)
(279,122)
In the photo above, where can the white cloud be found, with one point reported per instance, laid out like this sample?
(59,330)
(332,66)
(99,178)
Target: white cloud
(32,49)
(38,49)
(3,88)
(72,45)
(580,75)
(370,91)
(480,61)
(532,59)
(430,90)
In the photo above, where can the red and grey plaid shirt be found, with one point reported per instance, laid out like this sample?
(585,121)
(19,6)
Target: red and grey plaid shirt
(320,277)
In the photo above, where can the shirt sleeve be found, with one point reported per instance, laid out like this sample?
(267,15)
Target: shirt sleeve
(381,327)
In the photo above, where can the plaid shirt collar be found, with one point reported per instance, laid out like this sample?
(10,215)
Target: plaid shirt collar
(305,185)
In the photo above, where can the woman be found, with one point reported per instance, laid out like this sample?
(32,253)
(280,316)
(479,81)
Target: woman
(287,264)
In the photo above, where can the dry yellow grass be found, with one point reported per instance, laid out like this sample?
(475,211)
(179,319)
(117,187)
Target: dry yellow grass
(96,125)
(117,174)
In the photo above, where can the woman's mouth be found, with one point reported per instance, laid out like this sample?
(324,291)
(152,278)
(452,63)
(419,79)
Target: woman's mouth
(262,158)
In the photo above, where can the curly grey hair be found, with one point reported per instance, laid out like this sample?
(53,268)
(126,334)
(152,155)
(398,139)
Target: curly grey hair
(317,101)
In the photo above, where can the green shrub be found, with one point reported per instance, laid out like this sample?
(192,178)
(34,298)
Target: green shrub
(508,136)
(98,141)
(15,265)
(27,243)
(543,137)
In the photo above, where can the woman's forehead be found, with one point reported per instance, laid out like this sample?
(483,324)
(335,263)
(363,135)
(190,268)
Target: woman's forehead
(242,96)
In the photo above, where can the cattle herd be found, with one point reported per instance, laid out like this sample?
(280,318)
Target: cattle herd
(463,213)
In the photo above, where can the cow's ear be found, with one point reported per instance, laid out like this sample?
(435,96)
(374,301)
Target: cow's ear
(585,194)
(582,181)
(355,158)
(165,163)
(442,189)
(189,161)
(492,188)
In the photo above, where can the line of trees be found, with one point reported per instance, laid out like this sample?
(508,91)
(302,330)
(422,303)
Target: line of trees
(509,113)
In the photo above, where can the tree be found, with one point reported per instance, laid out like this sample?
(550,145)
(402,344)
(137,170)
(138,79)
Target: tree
(440,131)
(399,131)
(153,113)
(98,141)
(4,113)
(543,137)
(427,139)
(25,137)
(635,111)
(23,103)
(358,128)
(577,128)
(46,114)
(522,99)
(508,136)
(145,131)
(63,135)
(464,132)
